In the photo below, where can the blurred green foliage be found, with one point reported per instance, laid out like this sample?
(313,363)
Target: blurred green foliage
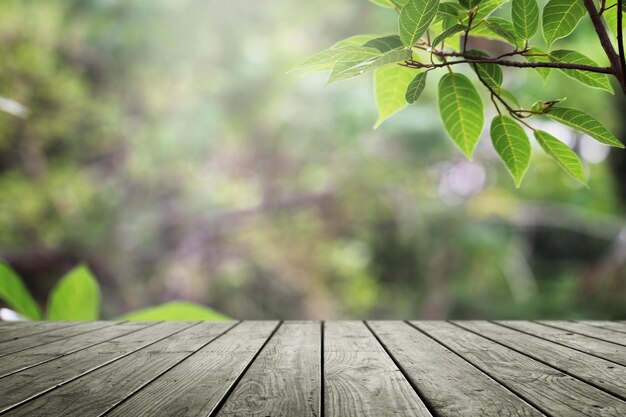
(166,148)
(76,297)
(176,310)
(15,294)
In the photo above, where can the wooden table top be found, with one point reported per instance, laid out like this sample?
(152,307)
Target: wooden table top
(311,368)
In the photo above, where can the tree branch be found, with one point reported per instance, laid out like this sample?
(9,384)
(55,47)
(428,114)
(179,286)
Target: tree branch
(516,64)
(605,41)
(620,39)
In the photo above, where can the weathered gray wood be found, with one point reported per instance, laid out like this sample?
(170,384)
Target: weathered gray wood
(450,385)
(548,389)
(36,380)
(258,369)
(195,386)
(611,325)
(51,336)
(133,361)
(19,330)
(596,347)
(43,353)
(285,379)
(360,379)
(599,372)
(588,330)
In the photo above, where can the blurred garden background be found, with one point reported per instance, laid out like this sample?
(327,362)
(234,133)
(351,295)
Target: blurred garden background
(164,145)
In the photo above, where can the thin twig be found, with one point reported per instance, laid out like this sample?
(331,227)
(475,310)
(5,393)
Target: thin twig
(507,63)
(494,93)
(516,64)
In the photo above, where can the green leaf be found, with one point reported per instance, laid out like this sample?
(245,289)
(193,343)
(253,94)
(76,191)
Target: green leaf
(354,40)
(384,3)
(490,73)
(176,310)
(446,34)
(461,110)
(390,86)
(592,79)
(448,13)
(469,4)
(496,28)
(487,7)
(503,29)
(508,96)
(512,144)
(585,123)
(538,55)
(416,87)
(562,154)
(415,17)
(326,59)
(390,57)
(525,17)
(385,43)
(353,63)
(75,297)
(560,18)
(16,295)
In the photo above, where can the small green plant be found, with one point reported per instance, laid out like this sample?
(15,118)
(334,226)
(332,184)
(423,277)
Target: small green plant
(434,34)
(77,297)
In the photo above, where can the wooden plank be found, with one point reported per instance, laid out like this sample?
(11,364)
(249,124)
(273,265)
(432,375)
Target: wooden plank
(18,330)
(590,345)
(51,336)
(33,381)
(360,379)
(196,386)
(549,390)
(285,379)
(148,353)
(610,325)
(43,353)
(449,385)
(588,330)
(599,372)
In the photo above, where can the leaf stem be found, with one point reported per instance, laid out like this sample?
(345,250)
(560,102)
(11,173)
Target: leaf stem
(513,112)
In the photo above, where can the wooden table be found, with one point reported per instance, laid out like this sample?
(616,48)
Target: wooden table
(299,369)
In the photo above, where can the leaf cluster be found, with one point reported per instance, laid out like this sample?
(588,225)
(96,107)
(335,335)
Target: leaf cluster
(434,34)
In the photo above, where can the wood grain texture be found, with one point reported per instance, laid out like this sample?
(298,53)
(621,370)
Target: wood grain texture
(606,350)
(310,369)
(610,325)
(599,372)
(195,386)
(146,358)
(588,330)
(450,385)
(285,379)
(360,379)
(18,330)
(32,382)
(27,358)
(550,390)
(51,336)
